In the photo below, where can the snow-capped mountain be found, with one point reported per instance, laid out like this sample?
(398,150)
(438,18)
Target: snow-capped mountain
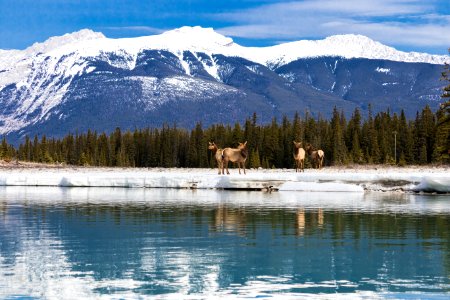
(85,80)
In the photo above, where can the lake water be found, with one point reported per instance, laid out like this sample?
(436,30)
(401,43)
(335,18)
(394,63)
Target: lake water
(107,243)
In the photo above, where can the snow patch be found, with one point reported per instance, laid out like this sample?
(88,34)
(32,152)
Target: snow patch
(285,180)
(89,70)
(157,91)
(333,86)
(291,77)
(209,64)
(254,69)
(433,184)
(382,70)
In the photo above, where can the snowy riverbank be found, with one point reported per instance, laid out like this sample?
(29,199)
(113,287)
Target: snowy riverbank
(331,179)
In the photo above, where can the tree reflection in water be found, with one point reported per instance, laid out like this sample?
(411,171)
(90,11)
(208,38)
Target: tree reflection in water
(371,240)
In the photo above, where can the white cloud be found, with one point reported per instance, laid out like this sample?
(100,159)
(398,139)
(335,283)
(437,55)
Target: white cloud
(412,23)
(146,29)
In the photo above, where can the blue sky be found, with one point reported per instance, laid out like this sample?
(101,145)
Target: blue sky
(409,25)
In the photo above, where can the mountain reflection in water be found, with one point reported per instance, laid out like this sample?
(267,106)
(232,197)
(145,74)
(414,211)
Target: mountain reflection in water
(128,243)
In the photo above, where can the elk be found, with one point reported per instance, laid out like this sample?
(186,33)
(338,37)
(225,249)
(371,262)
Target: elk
(316,156)
(299,157)
(238,155)
(217,154)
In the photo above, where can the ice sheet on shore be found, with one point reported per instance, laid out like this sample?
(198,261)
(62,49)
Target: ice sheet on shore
(311,180)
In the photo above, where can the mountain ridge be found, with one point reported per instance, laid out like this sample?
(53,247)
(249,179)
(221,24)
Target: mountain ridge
(207,40)
(198,67)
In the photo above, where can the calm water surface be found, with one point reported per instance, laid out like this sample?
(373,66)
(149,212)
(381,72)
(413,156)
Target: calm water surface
(160,243)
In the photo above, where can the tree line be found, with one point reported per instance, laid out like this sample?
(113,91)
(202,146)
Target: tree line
(384,138)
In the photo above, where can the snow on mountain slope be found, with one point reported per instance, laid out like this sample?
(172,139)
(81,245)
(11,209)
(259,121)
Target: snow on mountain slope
(31,85)
(86,43)
(347,46)
(35,80)
(157,91)
(206,40)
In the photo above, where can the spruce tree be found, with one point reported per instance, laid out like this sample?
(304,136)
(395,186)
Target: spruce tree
(4,149)
(339,150)
(297,128)
(44,155)
(255,161)
(420,148)
(405,139)
(442,145)
(36,152)
(103,151)
(374,148)
(429,125)
(352,139)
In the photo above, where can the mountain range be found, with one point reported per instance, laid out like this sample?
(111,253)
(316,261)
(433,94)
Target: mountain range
(84,80)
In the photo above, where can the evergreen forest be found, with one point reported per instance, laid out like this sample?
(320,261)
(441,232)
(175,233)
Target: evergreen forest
(381,139)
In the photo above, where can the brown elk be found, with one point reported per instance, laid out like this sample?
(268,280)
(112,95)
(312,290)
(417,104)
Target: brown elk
(316,156)
(217,154)
(238,155)
(299,156)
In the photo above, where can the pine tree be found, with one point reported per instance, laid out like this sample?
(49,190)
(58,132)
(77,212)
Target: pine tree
(429,125)
(353,134)
(69,149)
(116,146)
(286,138)
(297,128)
(25,153)
(255,161)
(103,151)
(374,148)
(339,151)
(271,143)
(44,155)
(197,153)
(405,139)
(237,134)
(4,149)
(442,146)
(36,152)
(385,137)
(420,149)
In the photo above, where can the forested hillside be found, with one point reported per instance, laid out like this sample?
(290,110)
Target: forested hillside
(384,138)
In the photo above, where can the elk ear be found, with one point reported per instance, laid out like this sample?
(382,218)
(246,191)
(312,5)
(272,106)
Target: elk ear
(245,143)
(209,143)
(293,142)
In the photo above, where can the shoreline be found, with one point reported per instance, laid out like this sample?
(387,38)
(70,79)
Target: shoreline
(22,165)
(355,178)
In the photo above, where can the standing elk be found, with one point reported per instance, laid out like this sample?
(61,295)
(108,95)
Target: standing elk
(218,155)
(238,155)
(316,156)
(299,157)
